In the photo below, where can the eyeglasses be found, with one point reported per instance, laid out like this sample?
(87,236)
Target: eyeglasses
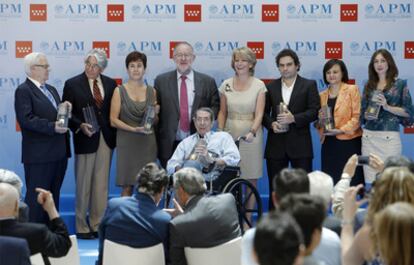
(93,66)
(44,66)
(185,56)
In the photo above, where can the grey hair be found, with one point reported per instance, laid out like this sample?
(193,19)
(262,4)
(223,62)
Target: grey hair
(8,198)
(30,60)
(100,56)
(7,176)
(191,180)
(183,43)
(151,179)
(321,184)
(205,109)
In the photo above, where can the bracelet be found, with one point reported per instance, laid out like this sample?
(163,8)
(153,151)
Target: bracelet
(253,132)
(347,222)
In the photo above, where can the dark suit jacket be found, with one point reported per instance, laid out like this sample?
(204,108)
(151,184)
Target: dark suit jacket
(36,116)
(304,104)
(77,91)
(206,222)
(206,95)
(14,251)
(52,242)
(134,221)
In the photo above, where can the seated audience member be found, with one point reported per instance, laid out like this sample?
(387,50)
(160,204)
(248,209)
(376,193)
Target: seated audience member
(309,212)
(7,176)
(53,241)
(14,251)
(395,185)
(205,221)
(393,234)
(278,240)
(137,221)
(216,149)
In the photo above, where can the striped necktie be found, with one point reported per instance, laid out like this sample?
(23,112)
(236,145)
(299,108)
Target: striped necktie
(49,95)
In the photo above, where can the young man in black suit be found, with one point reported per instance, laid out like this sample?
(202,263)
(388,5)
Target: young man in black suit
(303,103)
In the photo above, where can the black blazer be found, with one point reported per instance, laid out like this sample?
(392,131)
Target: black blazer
(37,116)
(50,242)
(206,95)
(14,251)
(304,104)
(77,91)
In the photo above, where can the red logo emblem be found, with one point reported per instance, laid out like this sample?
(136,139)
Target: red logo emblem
(349,12)
(38,12)
(409,50)
(351,82)
(23,48)
(192,13)
(333,50)
(118,81)
(257,48)
(409,129)
(172,47)
(18,129)
(103,45)
(267,81)
(270,13)
(115,13)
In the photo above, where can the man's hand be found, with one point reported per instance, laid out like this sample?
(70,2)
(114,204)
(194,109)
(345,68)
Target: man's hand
(285,118)
(87,129)
(59,129)
(45,199)
(350,203)
(351,165)
(177,209)
(376,163)
(276,127)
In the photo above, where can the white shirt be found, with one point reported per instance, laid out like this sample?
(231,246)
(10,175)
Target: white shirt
(99,85)
(189,81)
(287,91)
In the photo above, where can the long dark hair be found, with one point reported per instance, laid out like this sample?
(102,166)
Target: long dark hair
(373,77)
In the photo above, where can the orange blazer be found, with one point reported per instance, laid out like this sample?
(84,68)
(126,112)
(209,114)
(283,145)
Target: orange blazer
(347,111)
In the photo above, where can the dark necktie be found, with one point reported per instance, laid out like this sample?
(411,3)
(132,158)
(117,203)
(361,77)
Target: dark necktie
(97,94)
(184,119)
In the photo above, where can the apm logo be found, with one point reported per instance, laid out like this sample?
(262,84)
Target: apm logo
(309,11)
(23,48)
(231,12)
(3,47)
(148,47)
(76,11)
(390,11)
(9,83)
(367,48)
(302,48)
(216,48)
(38,12)
(62,48)
(333,50)
(115,13)
(154,11)
(10,10)
(103,45)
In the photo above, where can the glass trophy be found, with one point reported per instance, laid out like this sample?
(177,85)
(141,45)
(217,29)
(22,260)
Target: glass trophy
(148,120)
(373,109)
(90,118)
(282,109)
(63,115)
(327,122)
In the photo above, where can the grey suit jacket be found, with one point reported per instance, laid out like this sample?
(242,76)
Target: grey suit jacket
(206,95)
(206,222)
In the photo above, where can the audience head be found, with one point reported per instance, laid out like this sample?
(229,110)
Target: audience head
(37,67)
(152,179)
(393,233)
(183,57)
(337,72)
(9,201)
(395,185)
(309,212)
(188,182)
(399,161)
(95,63)
(7,176)
(287,61)
(278,239)
(134,57)
(245,54)
(203,120)
(289,181)
(321,184)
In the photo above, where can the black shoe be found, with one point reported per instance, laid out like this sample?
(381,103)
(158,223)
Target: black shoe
(95,234)
(85,235)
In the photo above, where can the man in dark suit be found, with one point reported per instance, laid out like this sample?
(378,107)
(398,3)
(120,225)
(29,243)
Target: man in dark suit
(136,221)
(45,143)
(93,146)
(201,221)
(14,251)
(50,242)
(302,99)
(180,93)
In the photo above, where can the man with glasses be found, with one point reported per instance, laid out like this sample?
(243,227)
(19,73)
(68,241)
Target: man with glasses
(45,144)
(93,144)
(180,93)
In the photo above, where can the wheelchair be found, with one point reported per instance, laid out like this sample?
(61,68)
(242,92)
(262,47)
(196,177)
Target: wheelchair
(229,181)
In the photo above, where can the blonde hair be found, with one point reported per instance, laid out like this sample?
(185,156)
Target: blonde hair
(246,54)
(393,234)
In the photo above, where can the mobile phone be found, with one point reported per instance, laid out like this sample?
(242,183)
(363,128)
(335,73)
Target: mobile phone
(363,160)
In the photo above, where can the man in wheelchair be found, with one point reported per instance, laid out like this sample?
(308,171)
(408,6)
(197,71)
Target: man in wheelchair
(210,152)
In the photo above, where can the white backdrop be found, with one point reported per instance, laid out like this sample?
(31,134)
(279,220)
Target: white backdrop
(316,30)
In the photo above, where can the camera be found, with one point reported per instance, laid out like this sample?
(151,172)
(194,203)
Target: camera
(363,160)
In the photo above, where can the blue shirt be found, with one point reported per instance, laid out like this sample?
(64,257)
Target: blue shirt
(397,96)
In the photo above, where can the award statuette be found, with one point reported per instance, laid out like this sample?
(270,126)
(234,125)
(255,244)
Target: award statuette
(282,109)
(327,122)
(148,120)
(64,113)
(90,118)
(373,109)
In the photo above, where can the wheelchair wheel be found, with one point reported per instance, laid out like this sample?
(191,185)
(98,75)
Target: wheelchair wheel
(243,191)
